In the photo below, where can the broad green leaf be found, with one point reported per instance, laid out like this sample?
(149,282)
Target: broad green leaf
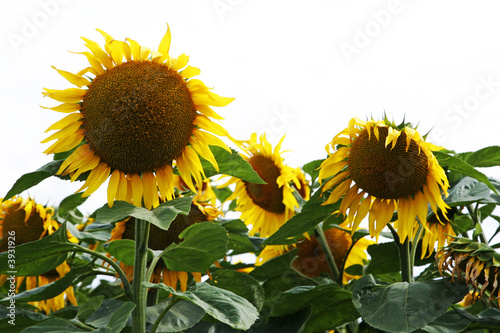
(241,284)
(55,325)
(275,266)
(311,168)
(182,315)
(70,203)
(451,321)
(486,319)
(89,307)
(52,289)
(31,179)
(402,306)
(38,257)
(119,318)
(467,191)
(203,243)
(455,164)
(231,164)
(162,216)
(124,251)
(313,213)
(93,233)
(222,193)
(486,157)
(331,305)
(239,241)
(22,319)
(102,317)
(221,304)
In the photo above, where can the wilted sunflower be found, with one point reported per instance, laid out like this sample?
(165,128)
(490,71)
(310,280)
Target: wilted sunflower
(160,239)
(475,263)
(378,168)
(30,222)
(140,115)
(265,206)
(311,260)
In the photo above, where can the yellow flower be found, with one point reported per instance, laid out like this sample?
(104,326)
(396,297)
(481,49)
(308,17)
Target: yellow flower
(30,222)
(160,239)
(311,260)
(438,230)
(265,206)
(378,168)
(140,115)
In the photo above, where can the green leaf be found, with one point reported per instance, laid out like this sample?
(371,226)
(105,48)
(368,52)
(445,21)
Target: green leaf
(22,319)
(89,307)
(119,318)
(124,250)
(331,305)
(231,164)
(70,203)
(241,284)
(311,168)
(451,321)
(467,191)
(402,306)
(38,257)
(487,319)
(275,266)
(239,241)
(50,290)
(54,325)
(203,243)
(102,317)
(31,179)
(161,216)
(182,316)
(455,164)
(223,305)
(313,213)
(486,157)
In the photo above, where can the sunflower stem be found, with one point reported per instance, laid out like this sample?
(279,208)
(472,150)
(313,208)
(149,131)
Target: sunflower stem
(164,312)
(404,255)
(140,292)
(414,245)
(475,215)
(320,236)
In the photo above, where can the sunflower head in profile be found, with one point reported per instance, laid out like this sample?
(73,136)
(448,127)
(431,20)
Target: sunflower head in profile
(160,239)
(311,260)
(379,168)
(135,115)
(265,206)
(475,263)
(30,222)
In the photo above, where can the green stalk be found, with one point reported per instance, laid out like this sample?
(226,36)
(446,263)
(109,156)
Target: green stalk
(320,235)
(475,215)
(414,245)
(140,292)
(404,256)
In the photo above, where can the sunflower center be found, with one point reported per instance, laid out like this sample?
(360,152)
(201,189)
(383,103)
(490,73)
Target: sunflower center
(384,172)
(25,232)
(267,196)
(138,116)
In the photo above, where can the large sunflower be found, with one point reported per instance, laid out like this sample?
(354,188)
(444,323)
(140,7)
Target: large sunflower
(265,206)
(138,116)
(311,260)
(379,168)
(30,222)
(160,239)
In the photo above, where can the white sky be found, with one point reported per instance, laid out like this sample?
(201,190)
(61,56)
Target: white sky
(295,67)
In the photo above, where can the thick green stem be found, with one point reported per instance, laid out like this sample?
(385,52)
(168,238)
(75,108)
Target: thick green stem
(414,245)
(475,215)
(140,292)
(404,255)
(320,235)
(164,312)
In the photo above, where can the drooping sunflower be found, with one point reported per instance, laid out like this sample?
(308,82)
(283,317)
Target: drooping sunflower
(30,222)
(160,239)
(139,115)
(438,230)
(475,263)
(265,206)
(379,168)
(311,260)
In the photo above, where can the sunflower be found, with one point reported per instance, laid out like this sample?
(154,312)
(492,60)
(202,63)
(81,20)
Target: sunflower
(139,115)
(438,230)
(311,260)
(30,222)
(379,168)
(475,263)
(160,239)
(265,206)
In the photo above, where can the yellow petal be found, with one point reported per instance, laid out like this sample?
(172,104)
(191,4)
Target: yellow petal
(72,78)
(164,47)
(113,183)
(71,118)
(150,190)
(165,177)
(70,95)
(190,71)
(137,190)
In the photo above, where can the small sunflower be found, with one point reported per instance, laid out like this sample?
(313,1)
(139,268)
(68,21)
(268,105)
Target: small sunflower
(30,222)
(139,115)
(438,230)
(475,263)
(265,206)
(379,168)
(311,260)
(160,239)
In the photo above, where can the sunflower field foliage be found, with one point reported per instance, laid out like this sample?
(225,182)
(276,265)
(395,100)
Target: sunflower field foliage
(204,231)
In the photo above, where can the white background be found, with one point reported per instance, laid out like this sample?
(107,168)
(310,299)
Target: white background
(295,67)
